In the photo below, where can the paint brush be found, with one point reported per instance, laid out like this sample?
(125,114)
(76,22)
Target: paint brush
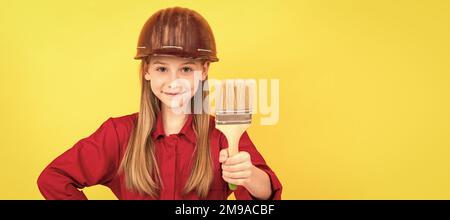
(233,112)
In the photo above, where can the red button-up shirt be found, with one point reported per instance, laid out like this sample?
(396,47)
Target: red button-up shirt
(96,159)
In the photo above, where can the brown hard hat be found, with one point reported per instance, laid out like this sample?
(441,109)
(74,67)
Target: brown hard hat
(179,32)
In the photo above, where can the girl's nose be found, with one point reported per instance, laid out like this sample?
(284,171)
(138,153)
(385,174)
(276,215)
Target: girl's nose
(173,85)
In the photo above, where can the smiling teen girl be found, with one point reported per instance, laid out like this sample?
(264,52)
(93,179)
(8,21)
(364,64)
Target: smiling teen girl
(160,152)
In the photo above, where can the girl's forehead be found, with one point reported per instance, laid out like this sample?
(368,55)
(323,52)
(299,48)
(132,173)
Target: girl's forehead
(169,59)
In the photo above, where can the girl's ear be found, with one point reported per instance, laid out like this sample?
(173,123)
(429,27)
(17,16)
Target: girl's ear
(205,70)
(147,76)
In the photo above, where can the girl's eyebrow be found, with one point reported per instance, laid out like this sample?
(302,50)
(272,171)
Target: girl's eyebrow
(159,62)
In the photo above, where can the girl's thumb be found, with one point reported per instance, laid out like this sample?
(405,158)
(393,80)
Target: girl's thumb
(223,155)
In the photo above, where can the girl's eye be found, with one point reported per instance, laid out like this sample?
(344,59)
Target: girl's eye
(161,69)
(186,69)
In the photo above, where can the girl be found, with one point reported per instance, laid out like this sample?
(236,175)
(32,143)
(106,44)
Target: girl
(159,152)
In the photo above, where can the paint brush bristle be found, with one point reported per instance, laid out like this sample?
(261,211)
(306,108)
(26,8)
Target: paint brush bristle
(233,104)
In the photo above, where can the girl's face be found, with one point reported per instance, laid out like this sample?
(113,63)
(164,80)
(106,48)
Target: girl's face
(175,80)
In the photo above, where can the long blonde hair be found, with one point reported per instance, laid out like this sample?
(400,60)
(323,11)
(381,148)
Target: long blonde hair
(139,163)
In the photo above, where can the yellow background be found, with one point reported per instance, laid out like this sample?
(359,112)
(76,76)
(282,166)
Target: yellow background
(364,87)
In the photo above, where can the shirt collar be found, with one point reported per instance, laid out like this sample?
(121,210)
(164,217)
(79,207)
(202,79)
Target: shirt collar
(187,130)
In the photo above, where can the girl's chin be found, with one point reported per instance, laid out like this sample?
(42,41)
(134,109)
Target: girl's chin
(176,107)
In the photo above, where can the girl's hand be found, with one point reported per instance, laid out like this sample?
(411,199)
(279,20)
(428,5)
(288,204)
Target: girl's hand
(237,169)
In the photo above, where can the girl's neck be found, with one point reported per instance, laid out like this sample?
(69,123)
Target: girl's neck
(173,122)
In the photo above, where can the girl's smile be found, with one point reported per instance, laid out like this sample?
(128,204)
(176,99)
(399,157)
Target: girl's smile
(171,94)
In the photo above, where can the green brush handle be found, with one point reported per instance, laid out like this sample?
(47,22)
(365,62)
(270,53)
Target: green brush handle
(232,186)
